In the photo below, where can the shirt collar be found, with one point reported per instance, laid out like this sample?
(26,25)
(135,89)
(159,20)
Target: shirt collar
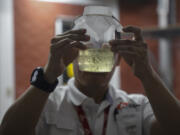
(75,95)
(78,97)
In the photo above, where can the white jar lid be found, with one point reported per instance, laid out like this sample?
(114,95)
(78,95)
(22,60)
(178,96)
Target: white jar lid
(97,10)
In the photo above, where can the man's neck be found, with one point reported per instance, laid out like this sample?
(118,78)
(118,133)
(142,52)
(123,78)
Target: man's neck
(95,92)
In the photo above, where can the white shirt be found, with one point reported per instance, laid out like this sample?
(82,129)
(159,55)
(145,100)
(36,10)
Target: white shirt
(128,115)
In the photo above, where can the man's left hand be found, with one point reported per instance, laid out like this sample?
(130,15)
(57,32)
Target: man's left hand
(134,52)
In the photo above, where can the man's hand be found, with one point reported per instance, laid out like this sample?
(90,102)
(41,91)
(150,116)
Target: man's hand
(64,49)
(23,116)
(165,105)
(134,51)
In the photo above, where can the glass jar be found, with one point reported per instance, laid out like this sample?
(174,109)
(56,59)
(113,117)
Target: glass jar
(102,27)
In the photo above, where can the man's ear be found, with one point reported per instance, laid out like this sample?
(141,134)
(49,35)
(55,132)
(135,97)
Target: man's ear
(118,60)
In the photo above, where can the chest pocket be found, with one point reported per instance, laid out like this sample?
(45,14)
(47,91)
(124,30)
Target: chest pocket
(129,121)
(60,125)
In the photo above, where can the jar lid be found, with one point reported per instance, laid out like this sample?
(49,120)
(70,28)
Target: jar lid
(97,10)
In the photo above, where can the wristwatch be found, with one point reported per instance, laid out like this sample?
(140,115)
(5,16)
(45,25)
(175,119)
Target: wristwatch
(37,80)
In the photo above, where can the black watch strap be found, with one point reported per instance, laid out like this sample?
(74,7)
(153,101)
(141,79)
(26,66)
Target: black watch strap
(37,80)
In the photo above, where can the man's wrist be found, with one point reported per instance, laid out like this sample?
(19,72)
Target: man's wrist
(38,80)
(147,73)
(149,78)
(50,72)
(49,77)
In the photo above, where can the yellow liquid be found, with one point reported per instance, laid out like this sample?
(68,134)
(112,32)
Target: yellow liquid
(96,60)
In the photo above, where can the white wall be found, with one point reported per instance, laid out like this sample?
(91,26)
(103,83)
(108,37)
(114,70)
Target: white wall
(7,83)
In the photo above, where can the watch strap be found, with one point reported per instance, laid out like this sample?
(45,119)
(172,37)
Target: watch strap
(38,80)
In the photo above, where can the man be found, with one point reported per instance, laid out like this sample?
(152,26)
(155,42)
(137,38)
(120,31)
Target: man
(88,104)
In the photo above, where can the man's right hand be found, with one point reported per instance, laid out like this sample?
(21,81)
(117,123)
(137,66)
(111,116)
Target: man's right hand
(64,49)
(23,116)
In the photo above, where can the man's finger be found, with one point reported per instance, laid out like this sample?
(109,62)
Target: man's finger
(122,42)
(124,53)
(75,37)
(79,31)
(79,45)
(62,43)
(123,48)
(137,32)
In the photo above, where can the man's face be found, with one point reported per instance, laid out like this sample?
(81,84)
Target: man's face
(91,78)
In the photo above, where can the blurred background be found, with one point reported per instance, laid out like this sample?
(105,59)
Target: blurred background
(27,26)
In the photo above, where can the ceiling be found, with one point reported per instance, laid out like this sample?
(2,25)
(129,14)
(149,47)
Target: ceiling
(82,2)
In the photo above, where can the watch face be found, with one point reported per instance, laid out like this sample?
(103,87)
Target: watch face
(34,77)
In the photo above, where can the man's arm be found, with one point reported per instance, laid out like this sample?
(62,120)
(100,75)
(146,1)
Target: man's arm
(23,115)
(165,106)
(156,129)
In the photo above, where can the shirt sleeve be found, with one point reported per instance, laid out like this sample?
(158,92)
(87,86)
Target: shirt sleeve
(51,107)
(147,117)
(41,127)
